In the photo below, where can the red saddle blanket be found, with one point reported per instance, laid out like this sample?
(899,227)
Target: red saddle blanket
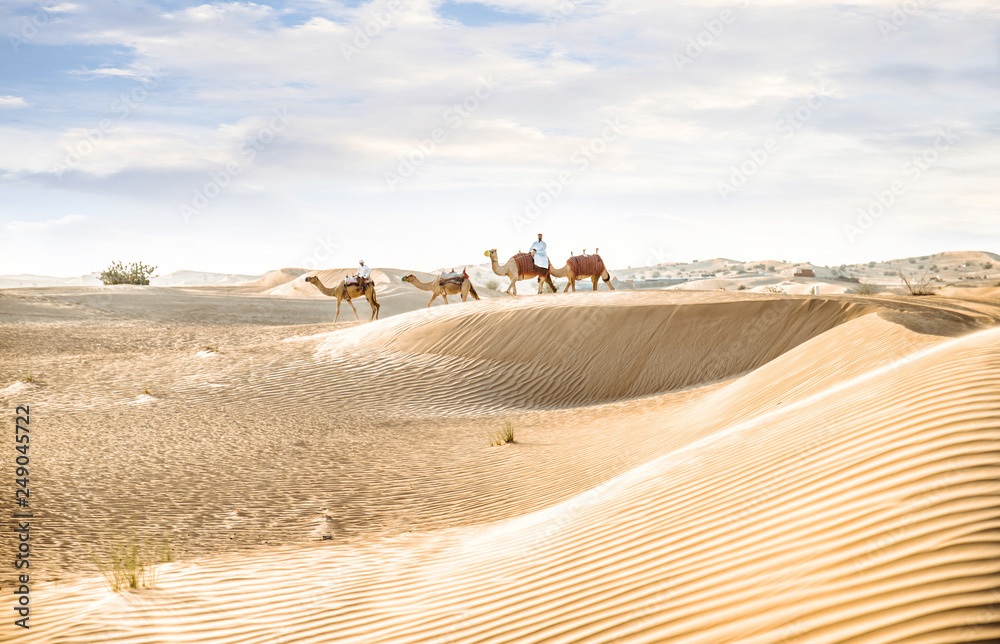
(526,265)
(586,265)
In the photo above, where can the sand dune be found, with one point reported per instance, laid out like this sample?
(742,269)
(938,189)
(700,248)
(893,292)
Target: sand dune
(689,467)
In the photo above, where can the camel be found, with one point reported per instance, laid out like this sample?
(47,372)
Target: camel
(583,266)
(527,270)
(343,291)
(445,288)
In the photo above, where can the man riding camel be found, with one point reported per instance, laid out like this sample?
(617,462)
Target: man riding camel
(538,253)
(364,276)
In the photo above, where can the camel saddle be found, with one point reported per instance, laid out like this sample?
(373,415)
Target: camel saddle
(526,265)
(586,265)
(361,282)
(453,278)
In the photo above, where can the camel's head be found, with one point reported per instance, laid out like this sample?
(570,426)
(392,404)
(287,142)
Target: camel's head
(491,253)
(311,279)
(408,278)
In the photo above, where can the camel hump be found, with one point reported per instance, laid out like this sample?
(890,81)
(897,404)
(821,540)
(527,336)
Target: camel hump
(586,264)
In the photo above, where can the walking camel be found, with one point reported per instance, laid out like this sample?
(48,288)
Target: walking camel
(520,267)
(445,285)
(582,267)
(345,291)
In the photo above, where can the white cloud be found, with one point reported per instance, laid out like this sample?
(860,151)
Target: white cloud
(17,225)
(12,101)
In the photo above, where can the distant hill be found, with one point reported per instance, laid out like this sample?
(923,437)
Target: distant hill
(949,265)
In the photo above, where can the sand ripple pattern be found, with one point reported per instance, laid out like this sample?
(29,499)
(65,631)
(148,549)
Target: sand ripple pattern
(853,500)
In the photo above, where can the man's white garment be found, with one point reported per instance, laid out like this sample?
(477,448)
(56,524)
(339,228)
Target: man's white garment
(541,259)
(364,271)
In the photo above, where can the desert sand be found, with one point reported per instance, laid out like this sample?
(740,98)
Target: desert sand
(689,466)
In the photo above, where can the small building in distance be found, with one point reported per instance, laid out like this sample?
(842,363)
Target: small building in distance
(805,272)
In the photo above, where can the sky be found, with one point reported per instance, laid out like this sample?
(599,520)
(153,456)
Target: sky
(241,137)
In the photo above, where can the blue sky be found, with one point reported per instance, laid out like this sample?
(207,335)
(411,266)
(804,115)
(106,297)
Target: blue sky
(242,137)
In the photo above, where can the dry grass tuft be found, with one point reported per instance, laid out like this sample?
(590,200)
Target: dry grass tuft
(919,286)
(127,563)
(503,435)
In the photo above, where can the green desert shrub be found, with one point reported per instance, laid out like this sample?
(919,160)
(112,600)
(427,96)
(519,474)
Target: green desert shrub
(493,285)
(134,273)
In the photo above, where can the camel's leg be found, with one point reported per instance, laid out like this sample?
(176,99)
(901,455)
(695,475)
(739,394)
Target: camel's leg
(512,289)
(466,285)
(444,295)
(372,302)
(607,280)
(338,311)
(595,279)
(433,297)
(348,298)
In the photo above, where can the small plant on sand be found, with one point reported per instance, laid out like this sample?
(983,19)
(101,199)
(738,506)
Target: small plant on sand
(772,288)
(211,349)
(134,273)
(493,285)
(864,289)
(127,563)
(503,435)
(28,377)
(917,286)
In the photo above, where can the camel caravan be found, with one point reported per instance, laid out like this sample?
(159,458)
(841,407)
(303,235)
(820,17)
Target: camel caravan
(533,264)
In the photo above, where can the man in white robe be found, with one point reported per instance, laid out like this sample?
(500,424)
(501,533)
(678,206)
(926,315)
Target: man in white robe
(538,253)
(364,274)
